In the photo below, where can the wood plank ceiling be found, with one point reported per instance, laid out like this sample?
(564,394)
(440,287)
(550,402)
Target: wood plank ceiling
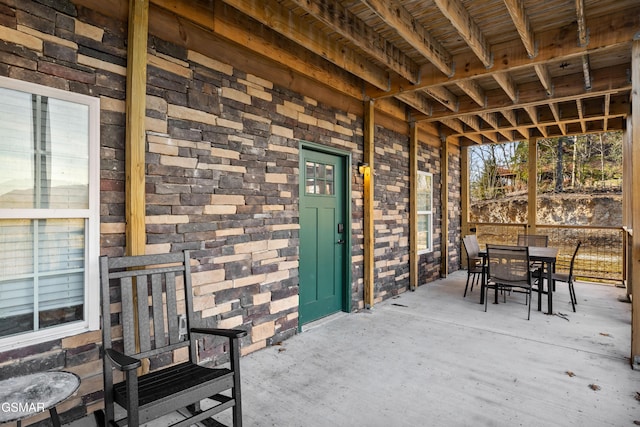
(480,71)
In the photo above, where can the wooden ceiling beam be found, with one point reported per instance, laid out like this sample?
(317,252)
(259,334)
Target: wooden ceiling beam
(342,21)
(397,17)
(581,18)
(275,16)
(417,101)
(522,24)
(507,84)
(492,120)
(556,115)
(464,24)
(580,108)
(472,121)
(525,131)
(608,32)
(532,111)
(474,90)
(454,124)
(511,117)
(605,81)
(443,96)
(523,128)
(606,108)
(545,78)
(459,129)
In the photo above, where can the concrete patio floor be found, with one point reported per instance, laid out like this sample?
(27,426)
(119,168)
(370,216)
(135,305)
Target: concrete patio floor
(434,358)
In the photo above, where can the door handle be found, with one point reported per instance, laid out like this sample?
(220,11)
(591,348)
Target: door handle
(340,242)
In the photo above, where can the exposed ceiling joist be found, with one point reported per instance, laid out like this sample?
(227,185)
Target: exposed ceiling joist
(507,84)
(417,101)
(511,117)
(606,108)
(455,11)
(580,108)
(610,32)
(583,33)
(556,115)
(463,66)
(474,90)
(545,78)
(275,16)
(608,80)
(398,18)
(340,20)
(472,121)
(454,124)
(443,96)
(521,21)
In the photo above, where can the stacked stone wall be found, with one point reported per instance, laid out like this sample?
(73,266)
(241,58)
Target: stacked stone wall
(222,153)
(429,265)
(454,210)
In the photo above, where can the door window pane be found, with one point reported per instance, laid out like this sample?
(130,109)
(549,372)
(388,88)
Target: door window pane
(319,179)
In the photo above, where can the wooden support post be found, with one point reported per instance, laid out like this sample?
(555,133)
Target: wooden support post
(369,239)
(635,202)
(627,208)
(464,195)
(135,127)
(135,139)
(444,194)
(414,270)
(532,187)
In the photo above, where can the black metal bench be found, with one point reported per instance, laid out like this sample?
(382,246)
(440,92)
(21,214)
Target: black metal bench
(156,317)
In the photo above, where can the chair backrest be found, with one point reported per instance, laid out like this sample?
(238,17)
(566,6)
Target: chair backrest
(538,240)
(573,259)
(508,264)
(471,246)
(154,293)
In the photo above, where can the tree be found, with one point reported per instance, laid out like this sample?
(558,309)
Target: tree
(585,160)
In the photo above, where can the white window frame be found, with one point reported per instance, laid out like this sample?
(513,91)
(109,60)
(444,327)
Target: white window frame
(91,315)
(429,214)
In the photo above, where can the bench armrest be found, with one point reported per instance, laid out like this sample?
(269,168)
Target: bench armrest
(122,361)
(229,333)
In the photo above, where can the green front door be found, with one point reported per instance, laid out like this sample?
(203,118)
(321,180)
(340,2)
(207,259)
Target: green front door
(322,235)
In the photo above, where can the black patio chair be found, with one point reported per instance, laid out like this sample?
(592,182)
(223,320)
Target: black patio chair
(475,263)
(539,240)
(157,319)
(567,277)
(508,270)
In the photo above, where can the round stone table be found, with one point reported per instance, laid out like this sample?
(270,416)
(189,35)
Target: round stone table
(25,396)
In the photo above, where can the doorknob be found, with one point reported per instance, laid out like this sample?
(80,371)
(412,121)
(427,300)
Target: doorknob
(340,242)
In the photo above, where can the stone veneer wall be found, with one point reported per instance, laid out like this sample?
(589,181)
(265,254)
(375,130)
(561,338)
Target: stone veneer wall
(429,265)
(454,210)
(221,179)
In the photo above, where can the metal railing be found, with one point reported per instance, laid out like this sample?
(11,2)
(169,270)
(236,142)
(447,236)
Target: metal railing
(601,256)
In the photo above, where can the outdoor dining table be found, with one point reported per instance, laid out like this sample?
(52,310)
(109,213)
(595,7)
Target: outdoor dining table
(543,254)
